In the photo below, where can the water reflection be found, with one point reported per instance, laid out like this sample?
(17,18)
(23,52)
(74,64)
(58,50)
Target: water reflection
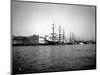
(30,59)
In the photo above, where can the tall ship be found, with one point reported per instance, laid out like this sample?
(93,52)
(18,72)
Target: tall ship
(56,38)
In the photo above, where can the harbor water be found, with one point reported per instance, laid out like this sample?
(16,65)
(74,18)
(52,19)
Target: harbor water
(53,58)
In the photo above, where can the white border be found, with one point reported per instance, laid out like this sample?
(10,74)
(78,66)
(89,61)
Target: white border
(5,52)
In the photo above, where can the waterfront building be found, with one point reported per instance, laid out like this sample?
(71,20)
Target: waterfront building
(17,40)
(41,40)
(33,39)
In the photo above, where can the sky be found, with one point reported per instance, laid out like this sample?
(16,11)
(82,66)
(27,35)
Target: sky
(29,18)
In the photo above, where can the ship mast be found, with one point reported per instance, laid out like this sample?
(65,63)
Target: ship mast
(70,37)
(59,33)
(53,30)
(63,35)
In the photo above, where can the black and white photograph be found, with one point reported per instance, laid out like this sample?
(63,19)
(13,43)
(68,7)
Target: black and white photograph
(52,37)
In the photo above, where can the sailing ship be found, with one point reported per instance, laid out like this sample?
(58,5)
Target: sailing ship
(56,38)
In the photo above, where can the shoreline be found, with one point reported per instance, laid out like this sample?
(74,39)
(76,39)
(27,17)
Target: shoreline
(44,44)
